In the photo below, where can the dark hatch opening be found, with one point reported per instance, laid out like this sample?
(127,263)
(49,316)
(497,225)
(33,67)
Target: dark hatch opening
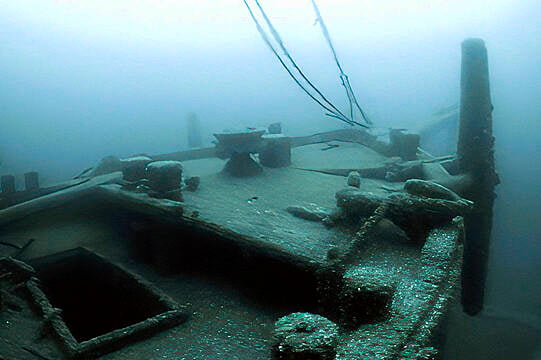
(94,295)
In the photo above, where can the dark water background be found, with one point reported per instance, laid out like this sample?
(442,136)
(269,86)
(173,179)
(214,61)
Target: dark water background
(82,80)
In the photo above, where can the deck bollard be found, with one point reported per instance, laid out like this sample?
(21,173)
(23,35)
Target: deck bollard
(31,181)
(8,184)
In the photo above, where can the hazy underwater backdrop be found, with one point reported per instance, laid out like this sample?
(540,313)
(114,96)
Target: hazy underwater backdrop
(80,80)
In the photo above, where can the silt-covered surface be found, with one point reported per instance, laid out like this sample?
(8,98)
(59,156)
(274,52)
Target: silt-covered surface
(225,322)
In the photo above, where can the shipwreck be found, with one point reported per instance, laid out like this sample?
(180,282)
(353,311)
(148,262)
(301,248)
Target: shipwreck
(329,246)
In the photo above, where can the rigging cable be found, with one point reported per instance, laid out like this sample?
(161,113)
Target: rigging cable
(332,110)
(343,77)
(278,39)
(271,47)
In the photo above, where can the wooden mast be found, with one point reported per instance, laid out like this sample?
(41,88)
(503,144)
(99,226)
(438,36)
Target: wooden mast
(475,151)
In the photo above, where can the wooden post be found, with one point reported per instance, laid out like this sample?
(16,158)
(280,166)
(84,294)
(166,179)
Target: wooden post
(8,184)
(194,131)
(403,145)
(475,151)
(275,128)
(276,152)
(31,181)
